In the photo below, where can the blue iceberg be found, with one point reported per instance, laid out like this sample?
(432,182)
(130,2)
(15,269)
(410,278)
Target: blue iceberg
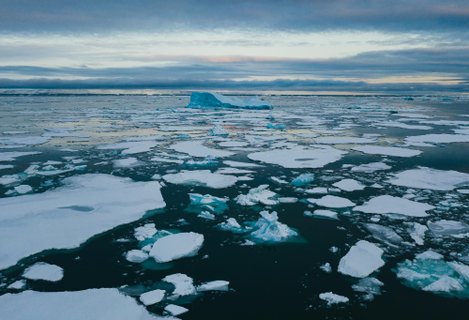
(201,100)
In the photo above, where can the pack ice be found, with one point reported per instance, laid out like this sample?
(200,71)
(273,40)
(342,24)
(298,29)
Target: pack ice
(69,215)
(201,100)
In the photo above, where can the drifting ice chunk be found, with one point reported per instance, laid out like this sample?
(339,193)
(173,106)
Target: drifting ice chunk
(370,167)
(326,267)
(261,194)
(332,202)
(176,246)
(370,286)
(12,155)
(44,271)
(197,149)
(201,177)
(269,229)
(231,225)
(145,232)
(24,188)
(417,233)
(384,234)
(218,130)
(217,285)
(299,157)
(449,228)
(152,297)
(136,256)
(349,185)
(73,305)
(207,202)
(361,260)
(388,151)
(183,284)
(332,298)
(325,214)
(429,272)
(203,100)
(387,204)
(175,310)
(427,178)
(17,285)
(303,179)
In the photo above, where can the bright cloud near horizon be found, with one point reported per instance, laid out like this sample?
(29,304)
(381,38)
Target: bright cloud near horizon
(242,44)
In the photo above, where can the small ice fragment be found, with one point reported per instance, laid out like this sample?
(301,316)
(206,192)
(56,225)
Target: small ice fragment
(326,267)
(201,100)
(261,194)
(152,297)
(349,185)
(176,246)
(332,202)
(217,285)
(145,232)
(325,214)
(303,179)
(218,130)
(136,256)
(17,285)
(269,229)
(183,284)
(44,271)
(175,310)
(332,298)
(361,260)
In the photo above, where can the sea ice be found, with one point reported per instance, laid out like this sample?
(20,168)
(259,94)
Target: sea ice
(197,149)
(303,179)
(183,284)
(67,216)
(261,194)
(388,205)
(152,297)
(202,178)
(370,167)
(429,272)
(126,163)
(299,157)
(231,225)
(388,151)
(130,147)
(332,298)
(417,233)
(342,140)
(218,130)
(325,214)
(74,305)
(136,256)
(216,285)
(175,310)
(24,188)
(176,246)
(203,100)
(12,155)
(44,271)
(370,286)
(449,228)
(361,260)
(349,185)
(332,202)
(145,232)
(427,178)
(384,234)
(269,229)
(437,138)
(207,202)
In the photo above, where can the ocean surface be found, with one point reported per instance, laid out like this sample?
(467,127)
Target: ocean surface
(417,149)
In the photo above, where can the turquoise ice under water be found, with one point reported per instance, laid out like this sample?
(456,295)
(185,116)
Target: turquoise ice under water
(274,271)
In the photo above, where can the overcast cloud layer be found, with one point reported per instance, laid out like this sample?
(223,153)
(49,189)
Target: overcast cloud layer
(340,45)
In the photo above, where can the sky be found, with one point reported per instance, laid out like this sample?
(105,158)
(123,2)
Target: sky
(412,45)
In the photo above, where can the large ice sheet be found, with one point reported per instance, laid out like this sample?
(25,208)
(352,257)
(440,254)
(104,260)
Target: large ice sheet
(428,178)
(212,100)
(299,157)
(67,216)
(361,260)
(76,305)
(386,204)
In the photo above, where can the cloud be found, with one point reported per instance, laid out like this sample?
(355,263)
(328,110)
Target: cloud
(294,15)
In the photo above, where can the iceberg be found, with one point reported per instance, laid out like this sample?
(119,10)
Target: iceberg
(269,229)
(202,100)
(206,202)
(261,194)
(430,272)
(176,246)
(303,179)
(361,260)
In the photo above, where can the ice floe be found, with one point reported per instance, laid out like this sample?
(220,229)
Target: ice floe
(67,216)
(130,147)
(197,149)
(449,228)
(176,246)
(269,229)
(44,271)
(212,100)
(388,151)
(437,138)
(428,178)
(370,287)
(201,178)
(386,204)
(76,305)
(361,260)
(152,297)
(216,285)
(206,202)
(299,157)
(329,201)
(332,298)
(303,179)
(261,194)
(175,310)
(12,155)
(349,185)
(136,256)
(183,284)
